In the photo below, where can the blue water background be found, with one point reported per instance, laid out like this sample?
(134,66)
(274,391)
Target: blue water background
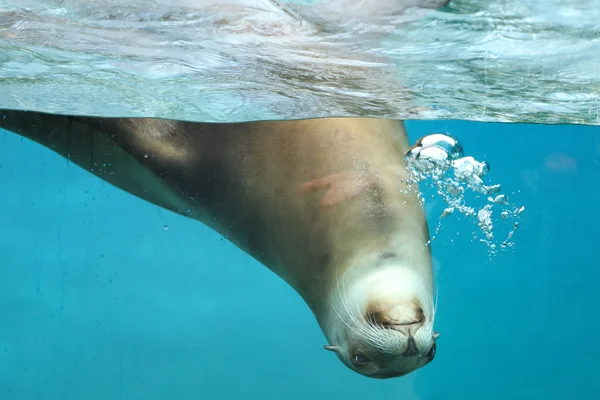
(104,296)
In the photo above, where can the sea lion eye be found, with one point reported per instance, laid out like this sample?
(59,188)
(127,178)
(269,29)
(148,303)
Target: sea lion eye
(360,360)
(431,354)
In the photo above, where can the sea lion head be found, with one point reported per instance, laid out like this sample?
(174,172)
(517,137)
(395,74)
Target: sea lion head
(381,318)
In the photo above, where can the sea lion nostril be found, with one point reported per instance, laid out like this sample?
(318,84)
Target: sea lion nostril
(411,350)
(420,314)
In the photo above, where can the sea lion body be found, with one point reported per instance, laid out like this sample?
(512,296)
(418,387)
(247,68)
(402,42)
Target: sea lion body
(323,203)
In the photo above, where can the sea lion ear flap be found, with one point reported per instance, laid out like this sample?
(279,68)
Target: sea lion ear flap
(436,335)
(333,348)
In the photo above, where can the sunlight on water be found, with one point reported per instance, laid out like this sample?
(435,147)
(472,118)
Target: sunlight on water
(227,60)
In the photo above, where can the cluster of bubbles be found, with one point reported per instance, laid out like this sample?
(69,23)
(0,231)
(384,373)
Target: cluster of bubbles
(437,160)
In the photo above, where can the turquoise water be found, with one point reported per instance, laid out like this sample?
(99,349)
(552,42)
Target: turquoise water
(104,296)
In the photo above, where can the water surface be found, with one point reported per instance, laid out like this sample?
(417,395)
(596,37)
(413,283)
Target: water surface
(226,60)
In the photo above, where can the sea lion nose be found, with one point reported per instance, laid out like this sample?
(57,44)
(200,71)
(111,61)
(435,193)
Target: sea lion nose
(412,349)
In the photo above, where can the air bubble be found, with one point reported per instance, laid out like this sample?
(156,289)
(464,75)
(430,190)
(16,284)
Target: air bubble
(452,178)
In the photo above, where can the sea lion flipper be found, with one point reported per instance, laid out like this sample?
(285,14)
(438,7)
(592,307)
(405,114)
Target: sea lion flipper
(120,151)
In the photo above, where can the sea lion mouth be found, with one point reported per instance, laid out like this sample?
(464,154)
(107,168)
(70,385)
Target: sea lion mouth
(386,323)
(397,325)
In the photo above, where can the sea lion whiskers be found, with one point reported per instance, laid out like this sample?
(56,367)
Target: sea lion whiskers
(380,329)
(344,321)
(375,332)
(375,337)
(361,332)
(432,304)
(346,308)
(363,328)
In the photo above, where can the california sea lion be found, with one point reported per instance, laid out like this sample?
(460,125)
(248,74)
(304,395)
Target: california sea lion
(323,203)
